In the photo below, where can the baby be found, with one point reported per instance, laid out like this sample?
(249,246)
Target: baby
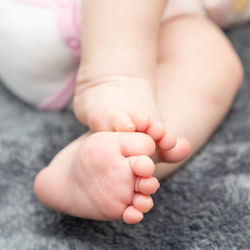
(153,79)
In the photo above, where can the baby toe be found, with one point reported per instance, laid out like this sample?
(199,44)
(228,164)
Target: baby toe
(147,185)
(156,130)
(142,165)
(141,121)
(134,144)
(142,202)
(179,153)
(131,215)
(121,122)
(167,141)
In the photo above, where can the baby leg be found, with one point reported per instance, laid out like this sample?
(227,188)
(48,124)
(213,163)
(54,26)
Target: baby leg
(198,76)
(114,91)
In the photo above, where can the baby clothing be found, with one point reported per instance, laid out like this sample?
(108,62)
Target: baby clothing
(40,50)
(40,43)
(225,13)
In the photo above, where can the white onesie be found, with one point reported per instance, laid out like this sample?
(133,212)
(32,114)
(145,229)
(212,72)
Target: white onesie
(40,43)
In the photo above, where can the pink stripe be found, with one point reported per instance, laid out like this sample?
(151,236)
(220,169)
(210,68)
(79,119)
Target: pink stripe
(61,98)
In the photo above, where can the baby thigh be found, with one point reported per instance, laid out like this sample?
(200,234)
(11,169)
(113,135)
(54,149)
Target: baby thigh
(35,60)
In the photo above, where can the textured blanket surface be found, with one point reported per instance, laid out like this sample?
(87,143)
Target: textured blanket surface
(205,205)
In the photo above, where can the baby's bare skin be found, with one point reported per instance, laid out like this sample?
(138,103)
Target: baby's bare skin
(103,176)
(114,89)
(124,104)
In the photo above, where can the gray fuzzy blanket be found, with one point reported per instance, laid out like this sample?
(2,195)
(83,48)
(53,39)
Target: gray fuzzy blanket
(205,205)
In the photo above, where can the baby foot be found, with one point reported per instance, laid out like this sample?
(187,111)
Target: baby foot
(122,104)
(105,176)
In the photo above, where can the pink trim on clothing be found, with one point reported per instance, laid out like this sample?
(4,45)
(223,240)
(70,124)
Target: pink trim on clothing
(68,19)
(61,98)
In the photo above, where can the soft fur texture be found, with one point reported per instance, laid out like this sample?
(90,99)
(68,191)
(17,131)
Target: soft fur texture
(205,205)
